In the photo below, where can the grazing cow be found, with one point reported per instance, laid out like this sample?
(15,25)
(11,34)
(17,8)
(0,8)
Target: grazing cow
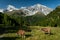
(21,33)
(46,30)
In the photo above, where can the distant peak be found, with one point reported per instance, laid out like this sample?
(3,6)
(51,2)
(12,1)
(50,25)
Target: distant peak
(11,8)
(22,7)
(38,4)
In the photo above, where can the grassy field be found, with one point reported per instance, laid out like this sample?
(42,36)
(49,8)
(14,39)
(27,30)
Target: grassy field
(36,34)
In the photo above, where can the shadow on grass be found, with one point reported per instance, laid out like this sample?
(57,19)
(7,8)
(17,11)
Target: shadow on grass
(49,34)
(8,38)
(8,30)
(28,35)
(2,30)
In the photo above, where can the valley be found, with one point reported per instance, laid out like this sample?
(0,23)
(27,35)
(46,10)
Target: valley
(30,20)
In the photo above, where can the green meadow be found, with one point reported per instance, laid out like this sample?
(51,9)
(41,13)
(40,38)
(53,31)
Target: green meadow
(35,34)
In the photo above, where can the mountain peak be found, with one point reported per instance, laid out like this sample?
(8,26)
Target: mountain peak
(39,8)
(38,5)
(11,8)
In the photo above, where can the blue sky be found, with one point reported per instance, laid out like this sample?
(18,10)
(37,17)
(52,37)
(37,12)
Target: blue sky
(20,3)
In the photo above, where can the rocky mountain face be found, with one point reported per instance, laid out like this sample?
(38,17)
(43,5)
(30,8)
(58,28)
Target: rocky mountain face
(31,10)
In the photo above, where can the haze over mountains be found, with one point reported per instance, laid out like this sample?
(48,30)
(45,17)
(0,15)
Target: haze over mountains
(28,11)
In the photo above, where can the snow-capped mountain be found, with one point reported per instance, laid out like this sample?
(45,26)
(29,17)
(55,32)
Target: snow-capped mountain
(37,8)
(11,8)
(31,10)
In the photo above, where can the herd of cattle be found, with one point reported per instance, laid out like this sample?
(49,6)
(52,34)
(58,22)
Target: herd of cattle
(46,30)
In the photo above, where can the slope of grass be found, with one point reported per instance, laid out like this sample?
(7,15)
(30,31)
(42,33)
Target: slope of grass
(39,35)
(36,34)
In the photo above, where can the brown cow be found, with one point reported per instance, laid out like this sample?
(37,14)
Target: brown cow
(21,33)
(46,30)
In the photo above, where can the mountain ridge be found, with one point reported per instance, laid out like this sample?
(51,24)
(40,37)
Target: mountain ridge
(31,10)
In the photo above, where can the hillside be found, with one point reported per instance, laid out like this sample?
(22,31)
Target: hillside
(35,19)
(52,19)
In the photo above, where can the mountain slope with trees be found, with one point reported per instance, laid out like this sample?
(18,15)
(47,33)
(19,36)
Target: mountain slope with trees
(53,18)
(16,18)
